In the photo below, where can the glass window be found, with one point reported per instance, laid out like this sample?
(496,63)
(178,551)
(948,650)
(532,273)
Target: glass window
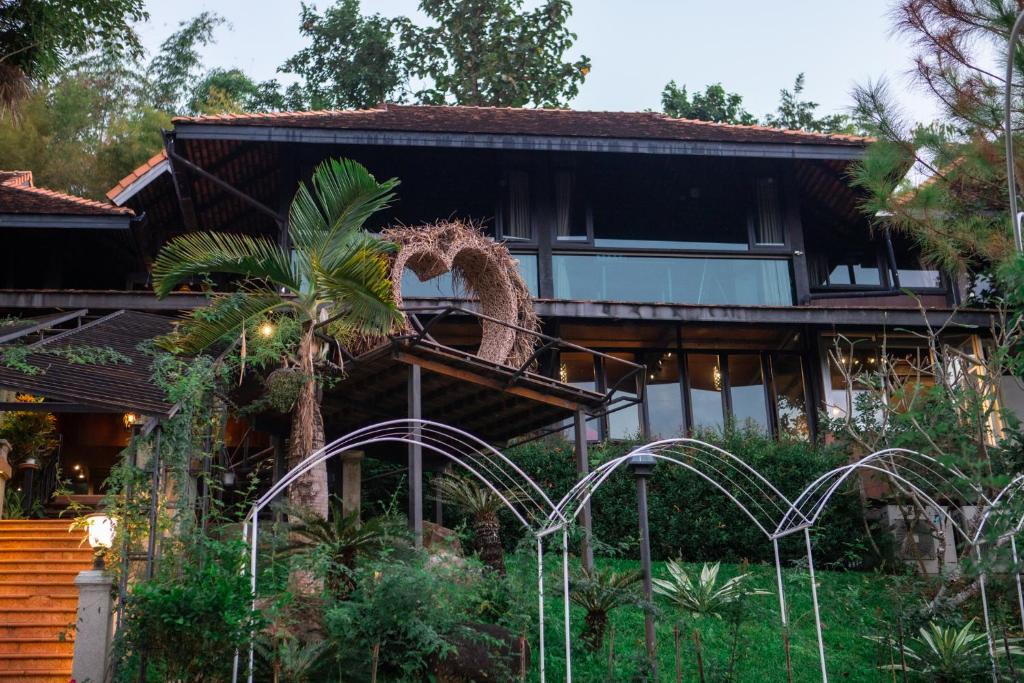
(624,423)
(664,279)
(577,369)
(664,398)
(705,379)
(570,211)
(913,273)
(444,287)
(746,391)
(768,228)
(651,205)
(790,395)
(516,207)
(854,269)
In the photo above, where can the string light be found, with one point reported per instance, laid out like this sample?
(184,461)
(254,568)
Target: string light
(267,329)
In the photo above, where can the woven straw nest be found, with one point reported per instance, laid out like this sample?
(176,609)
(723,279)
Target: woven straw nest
(484,269)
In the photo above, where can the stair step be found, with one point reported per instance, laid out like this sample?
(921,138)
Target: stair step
(45,555)
(50,565)
(14,589)
(34,676)
(9,629)
(43,661)
(38,616)
(66,601)
(40,646)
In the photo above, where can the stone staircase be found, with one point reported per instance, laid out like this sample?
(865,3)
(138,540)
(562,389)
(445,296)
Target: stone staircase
(39,559)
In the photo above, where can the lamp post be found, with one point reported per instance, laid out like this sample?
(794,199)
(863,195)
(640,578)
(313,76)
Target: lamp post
(642,467)
(1011,180)
(94,623)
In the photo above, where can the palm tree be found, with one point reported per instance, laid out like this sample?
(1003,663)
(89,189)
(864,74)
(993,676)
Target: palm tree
(482,504)
(599,591)
(333,281)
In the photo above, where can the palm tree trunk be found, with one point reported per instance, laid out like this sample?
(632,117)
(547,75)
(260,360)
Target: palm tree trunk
(310,490)
(487,531)
(594,625)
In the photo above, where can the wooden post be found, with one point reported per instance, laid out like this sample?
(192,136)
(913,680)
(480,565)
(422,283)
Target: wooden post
(351,482)
(582,469)
(416,457)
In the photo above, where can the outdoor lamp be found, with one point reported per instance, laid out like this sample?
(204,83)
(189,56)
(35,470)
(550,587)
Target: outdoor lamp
(101,536)
(267,329)
(130,420)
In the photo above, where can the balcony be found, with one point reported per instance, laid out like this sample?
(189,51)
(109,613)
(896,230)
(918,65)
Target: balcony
(708,280)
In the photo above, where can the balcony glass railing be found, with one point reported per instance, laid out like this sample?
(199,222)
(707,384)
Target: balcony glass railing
(673,279)
(442,287)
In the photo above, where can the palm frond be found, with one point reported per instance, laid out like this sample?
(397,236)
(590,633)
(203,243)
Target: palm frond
(343,196)
(225,316)
(201,253)
(703,597)
(474,498)
(602,590)
(356,283)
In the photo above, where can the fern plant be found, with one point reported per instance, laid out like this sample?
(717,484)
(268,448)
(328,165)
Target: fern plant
(599,591)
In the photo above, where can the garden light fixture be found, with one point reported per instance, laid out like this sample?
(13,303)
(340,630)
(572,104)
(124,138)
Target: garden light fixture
(101,536)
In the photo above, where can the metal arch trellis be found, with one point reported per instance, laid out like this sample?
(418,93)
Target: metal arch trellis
(910,471)
(750,491)
(531,505)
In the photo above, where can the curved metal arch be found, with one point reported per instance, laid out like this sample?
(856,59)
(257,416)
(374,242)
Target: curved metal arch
(714,465)
(1004,496)
(810,504)
(480,459)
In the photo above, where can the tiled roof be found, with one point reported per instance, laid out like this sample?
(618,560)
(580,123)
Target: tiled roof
(539,122)
(18,195)
(124,386)
(125,182)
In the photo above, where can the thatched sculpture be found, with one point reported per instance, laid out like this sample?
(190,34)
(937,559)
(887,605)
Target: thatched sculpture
(485,270)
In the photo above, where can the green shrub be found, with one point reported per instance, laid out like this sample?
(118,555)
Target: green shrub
(189,620)
(691,519)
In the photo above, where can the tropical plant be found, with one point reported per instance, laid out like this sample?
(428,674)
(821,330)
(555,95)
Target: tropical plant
(289,659)
(946,654)
(599,591)
(340,540)
(703,597)
(333,281)
(482,504)
(31,433)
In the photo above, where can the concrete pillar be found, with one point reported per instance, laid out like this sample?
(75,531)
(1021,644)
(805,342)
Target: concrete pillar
(93,626)
(582,470)
(351,481)
(5,472)
(642,467)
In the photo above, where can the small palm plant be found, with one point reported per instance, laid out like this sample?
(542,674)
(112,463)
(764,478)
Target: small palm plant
(946,654)
(482,505)
(289,659)
(703,597)
(342,539)
(599,591)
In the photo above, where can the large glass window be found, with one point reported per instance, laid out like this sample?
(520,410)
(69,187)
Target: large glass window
(705,379)
(768,228)
(624,423)
(664,398)
(790,397)
(664,279)
(515,214)
(577,369)
(914,274)
(443,286)
(570,208)
(747,391)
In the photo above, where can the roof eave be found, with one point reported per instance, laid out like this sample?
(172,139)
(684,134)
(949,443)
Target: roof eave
(551,143)
(66,221)
(140,183)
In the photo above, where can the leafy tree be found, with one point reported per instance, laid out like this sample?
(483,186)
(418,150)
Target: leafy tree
(175,67)
(483,505)
(797,114)
(958,216)
(714,104)
(38,38)
(333,281)
(492,53)
(231,90)
(351,62)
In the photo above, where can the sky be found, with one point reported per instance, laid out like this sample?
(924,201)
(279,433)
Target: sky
(636,46)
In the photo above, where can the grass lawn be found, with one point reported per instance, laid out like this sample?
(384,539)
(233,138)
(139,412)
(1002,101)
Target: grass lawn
(852,604)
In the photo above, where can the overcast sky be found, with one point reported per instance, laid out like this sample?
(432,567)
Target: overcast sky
(637,46)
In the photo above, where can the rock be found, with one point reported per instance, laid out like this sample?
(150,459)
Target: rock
(485,652)
(441,540)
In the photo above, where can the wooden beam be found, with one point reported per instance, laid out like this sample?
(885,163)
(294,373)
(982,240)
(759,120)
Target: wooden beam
(474,378)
